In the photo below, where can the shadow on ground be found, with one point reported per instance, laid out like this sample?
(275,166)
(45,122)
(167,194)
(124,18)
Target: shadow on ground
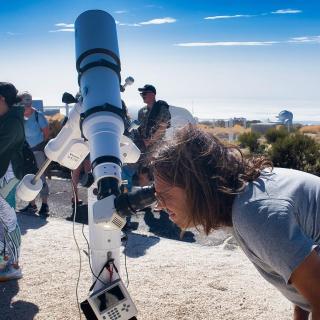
(137,244)
(160,226)
(81,214)
(22,310)
(164,227)
(30,221)
(10,310)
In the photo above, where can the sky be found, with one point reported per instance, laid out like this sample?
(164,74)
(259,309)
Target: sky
(218,58)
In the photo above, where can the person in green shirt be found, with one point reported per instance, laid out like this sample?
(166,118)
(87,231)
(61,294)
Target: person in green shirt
(11,131)
(11,169)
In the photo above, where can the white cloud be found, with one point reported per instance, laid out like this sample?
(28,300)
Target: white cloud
(286,11)
(153,21)
(128,24)
(153,6)
(159,21)
(281,11)
(65,25)
(226,44)
(228,17)
(63,30)
(296,40)
(9,33)
(121,11)
(307,39)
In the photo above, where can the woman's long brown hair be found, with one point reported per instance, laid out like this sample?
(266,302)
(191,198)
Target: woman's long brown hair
(211,172)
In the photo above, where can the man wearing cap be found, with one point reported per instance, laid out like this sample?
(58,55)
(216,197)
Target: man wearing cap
(37,134)
(154,119)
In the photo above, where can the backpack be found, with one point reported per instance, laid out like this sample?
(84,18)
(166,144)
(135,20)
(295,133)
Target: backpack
(41,145)
(30,164)
(36,114)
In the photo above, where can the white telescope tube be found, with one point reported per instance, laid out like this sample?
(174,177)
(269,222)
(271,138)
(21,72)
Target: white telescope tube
(98,66)
(96,43)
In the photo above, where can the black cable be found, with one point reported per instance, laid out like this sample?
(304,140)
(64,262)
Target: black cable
(107,264)
(125,258)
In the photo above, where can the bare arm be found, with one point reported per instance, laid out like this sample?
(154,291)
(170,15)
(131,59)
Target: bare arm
(306,279)
(45,132)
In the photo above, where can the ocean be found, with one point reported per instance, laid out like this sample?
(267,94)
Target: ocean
(304,111)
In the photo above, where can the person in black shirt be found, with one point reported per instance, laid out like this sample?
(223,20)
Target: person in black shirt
(154,119)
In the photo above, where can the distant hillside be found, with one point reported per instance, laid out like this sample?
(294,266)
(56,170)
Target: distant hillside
(311,131)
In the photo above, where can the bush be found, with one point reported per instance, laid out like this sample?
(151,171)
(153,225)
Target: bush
(250,140)
(296,151)
(273,134)
(55,125)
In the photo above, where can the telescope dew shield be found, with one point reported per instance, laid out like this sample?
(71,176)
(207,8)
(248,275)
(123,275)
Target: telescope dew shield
(129,203)
(98,66)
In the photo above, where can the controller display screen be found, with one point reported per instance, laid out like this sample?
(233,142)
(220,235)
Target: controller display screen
(109,298)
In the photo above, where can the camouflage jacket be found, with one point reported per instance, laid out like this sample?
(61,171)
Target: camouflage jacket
(151,119)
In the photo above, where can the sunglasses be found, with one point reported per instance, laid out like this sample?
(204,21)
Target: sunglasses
(160,198)
(143,94)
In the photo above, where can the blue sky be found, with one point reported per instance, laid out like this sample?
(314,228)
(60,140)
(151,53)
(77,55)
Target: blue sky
(217,58)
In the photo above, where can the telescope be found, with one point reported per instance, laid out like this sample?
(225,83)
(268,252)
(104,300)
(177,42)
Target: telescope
(96,125)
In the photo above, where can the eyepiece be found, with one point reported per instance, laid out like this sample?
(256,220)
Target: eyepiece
(129,203)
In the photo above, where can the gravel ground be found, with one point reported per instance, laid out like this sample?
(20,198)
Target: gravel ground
(59,198)
(209,279)
(169,279)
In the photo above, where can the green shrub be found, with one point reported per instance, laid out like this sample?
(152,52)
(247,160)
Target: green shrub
(273,134)
(296,151)
(250,140)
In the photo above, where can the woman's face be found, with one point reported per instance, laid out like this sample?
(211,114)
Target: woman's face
(173,200)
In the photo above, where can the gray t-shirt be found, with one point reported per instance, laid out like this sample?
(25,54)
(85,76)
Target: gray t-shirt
(276,221)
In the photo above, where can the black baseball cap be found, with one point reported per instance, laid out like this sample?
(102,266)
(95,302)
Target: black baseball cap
(148,87)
